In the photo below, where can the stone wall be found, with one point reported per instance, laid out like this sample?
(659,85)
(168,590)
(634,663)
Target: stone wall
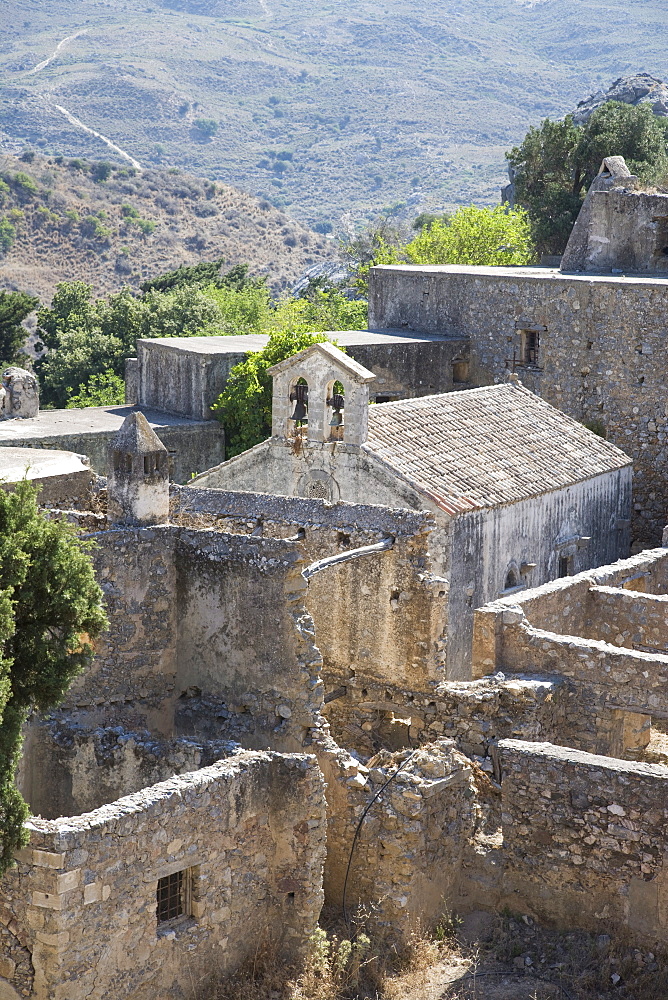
(406,857)
(245,638)
(209,636)
(600,354)
(380,618)
(250,833)
(67,769)
(584,839)
(132,678)
(185,376)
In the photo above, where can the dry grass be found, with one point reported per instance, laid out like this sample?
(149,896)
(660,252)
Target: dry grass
(445,965)
(73,226)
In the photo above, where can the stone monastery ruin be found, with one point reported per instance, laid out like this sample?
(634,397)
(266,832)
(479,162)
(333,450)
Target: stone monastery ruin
(430,598)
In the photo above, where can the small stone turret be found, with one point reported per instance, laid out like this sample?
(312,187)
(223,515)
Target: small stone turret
(19,395)
(138,481)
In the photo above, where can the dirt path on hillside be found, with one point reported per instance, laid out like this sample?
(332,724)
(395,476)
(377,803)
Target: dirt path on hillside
(73,120)
(45,62)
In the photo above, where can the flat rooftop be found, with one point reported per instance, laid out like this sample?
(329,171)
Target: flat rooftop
(535,273)
(37,463)
(256,341)
(93,419)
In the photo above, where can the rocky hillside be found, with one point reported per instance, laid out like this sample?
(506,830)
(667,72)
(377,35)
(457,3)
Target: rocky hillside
(117,225)
(642,88)
(331,110)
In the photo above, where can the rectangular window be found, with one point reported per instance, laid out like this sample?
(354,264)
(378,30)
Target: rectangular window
(565,565)
(174,896)
(530,347)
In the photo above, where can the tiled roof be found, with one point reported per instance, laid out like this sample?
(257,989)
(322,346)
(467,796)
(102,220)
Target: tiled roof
(488,446)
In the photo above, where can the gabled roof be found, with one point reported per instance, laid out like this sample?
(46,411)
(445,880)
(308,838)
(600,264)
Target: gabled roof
(137,437)
(484,447)
(348,366)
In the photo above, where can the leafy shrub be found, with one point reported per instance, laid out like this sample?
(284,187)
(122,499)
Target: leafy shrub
(128,212)
(24,183)
(206,126)
(147,226)
(7,235)
(101,172)
(103,389)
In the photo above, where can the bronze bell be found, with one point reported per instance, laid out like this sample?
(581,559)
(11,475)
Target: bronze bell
(300,395)
(337,403)
(300,411)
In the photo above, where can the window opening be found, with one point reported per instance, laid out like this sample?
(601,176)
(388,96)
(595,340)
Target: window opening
(565,565)
(661,249)
(460,371)
(512,580)
(383,399)
(318,489)
(173,896)
(530,347)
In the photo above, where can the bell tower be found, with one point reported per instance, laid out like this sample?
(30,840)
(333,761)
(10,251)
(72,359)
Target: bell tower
(320,395)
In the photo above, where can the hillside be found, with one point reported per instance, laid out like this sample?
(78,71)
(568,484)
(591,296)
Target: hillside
(69,222)
(328,109)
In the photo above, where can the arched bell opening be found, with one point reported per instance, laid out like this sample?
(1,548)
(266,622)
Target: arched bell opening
(298,419)
(336,410)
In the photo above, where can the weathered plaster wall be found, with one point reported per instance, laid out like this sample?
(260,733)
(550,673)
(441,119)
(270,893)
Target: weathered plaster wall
(83,897)
(204,626)
(380,618)
(579,523)
(584,839)
(244,635)
(132,678)
(601,350)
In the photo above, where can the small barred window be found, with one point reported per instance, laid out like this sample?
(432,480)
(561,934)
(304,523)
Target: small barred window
(173,896)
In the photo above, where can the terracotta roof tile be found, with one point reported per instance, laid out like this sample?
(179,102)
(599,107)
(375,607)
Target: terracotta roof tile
(489,446)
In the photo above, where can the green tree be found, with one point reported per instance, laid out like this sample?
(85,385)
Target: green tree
(492,236)
(556,163)
(244,408)
(7,235)
(207,127)
(14,308)
(103,389)
(50,609)
(87,337)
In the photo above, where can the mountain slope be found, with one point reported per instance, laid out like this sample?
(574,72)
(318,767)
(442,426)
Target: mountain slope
(137,224)
(370,104)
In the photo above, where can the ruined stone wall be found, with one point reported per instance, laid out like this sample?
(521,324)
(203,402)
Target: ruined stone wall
(407,856)
(477,714)
(250,831)
(245,639)
(378,619)
(66,769)
(564,606)
(209,637)
(131,680)
(584,839)
(601,350)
